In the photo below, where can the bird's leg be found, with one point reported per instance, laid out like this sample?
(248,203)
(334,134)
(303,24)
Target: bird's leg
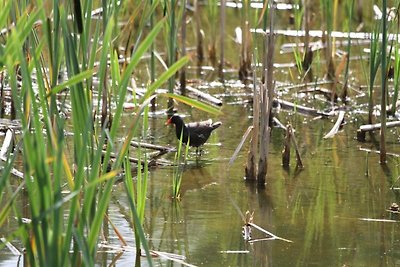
(199,151)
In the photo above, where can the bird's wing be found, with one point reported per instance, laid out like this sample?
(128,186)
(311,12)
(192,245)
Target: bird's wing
(199,124)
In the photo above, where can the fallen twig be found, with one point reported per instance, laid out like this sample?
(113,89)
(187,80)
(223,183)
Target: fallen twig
(291,139)
(165,255)
(152,146)
(377,126)
(269,233)
(204,96)
(11,247)
(4,151)
(278,123)
(376,220)
(172,257)
(336,127)
(7,143)
(378,152)
(6,124)
(150,162)
(372,127)
(301,109)
(235,251)
(244,137)
(296,149)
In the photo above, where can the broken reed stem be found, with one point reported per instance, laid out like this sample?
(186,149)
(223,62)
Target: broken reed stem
(267,96)
(360,11)
(286,149)
(383,85)
(251,166)
(308,53)
(2,95)
(104,103)
(268,233)
(337,125)
(291,140)
(172,45)
(299,161)
(152,62)
(222,37)
(264,136)
(245,50)
(327,13)
(199,37)
(244,137)
(349,9)
(183,40)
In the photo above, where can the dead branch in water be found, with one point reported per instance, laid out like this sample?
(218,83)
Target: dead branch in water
(205,96)
(7,124)
(239,147)
(372,127)
(271,235)
(152,146)
(336,127)
(368,150)
(6,149)
(291,140)
(286,149)
(301,109)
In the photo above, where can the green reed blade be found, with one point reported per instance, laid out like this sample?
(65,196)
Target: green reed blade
(194,103)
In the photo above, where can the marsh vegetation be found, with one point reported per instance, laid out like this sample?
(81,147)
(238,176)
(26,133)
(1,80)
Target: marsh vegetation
(303,169)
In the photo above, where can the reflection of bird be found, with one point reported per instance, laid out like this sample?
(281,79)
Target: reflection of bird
(196,132)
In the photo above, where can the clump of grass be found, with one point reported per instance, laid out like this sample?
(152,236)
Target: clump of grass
(174,16)
(212,15)
(179,161)
(88,175)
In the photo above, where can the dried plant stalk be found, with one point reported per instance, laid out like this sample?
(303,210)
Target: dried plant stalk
(182,77)
(267,94)
(286,149)
(222,38)
(199,38)
(251,167)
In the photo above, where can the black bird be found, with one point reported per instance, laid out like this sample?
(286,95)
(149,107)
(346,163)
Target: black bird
(196,132)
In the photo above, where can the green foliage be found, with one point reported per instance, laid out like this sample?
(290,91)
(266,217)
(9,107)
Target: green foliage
(84,169)
(179,162)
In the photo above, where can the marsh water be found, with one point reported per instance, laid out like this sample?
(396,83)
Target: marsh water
(334,210)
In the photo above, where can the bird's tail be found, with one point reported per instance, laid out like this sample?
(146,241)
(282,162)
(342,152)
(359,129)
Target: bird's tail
(215,125)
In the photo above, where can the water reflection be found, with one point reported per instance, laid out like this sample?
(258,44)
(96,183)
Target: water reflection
(319,208)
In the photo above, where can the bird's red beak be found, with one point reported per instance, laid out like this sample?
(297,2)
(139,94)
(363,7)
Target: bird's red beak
(168,122)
